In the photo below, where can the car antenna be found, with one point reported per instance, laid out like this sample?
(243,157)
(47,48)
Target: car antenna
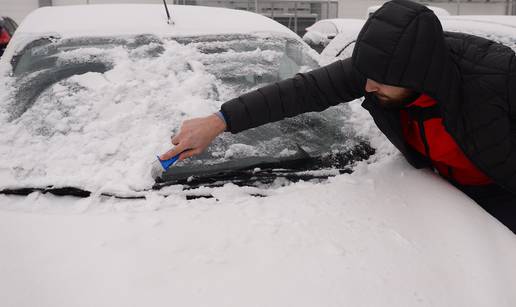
(169,20)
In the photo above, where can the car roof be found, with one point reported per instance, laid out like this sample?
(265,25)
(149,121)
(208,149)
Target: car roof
(120,19)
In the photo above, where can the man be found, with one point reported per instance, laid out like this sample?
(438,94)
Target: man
(446,100)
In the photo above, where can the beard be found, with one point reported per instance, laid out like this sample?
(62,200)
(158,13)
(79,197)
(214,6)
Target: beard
(396,102)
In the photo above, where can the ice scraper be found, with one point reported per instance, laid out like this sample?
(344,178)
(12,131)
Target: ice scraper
(160,166)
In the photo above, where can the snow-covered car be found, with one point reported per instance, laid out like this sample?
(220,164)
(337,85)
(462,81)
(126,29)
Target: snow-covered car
(439,11)
(320,34)
(385,235)
(497,28)
(342,45)
(98,101)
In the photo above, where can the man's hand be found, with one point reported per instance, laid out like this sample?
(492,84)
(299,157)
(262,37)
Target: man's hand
(194,136)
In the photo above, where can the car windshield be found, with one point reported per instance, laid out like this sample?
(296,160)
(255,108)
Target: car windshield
(98,110)
(239,61)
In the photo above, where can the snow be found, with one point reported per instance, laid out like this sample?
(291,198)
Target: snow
(385,235)
(97,131)
(340,23)
(144,18)
(498,28)
(319,31)
(345,38)
(134,19)
(88,129)
(507,20)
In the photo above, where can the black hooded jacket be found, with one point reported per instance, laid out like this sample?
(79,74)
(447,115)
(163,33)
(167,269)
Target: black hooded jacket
(402,44)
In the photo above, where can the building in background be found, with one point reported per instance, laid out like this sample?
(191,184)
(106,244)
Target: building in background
(297,15)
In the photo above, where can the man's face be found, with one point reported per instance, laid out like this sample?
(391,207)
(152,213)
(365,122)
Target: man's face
(389,96)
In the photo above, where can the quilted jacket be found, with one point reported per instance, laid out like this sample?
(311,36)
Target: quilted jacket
(403,44)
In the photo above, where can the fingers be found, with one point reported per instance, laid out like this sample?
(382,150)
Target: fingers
(184,154)
(175,139)
(188,153)
(194,136)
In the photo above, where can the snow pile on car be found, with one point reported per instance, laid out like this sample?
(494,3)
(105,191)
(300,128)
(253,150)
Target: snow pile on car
(101,131)
(386,235)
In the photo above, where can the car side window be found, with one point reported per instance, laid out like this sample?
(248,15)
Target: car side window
(9,26)
(15,25)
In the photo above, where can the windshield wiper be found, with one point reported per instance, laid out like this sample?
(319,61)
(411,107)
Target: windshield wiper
(63,191)
(252,171)
(264,170)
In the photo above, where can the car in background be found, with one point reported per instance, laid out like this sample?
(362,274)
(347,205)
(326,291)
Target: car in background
(341,47)
(439,11)
(497,28)
(319,35)
(103,99)
(7,28)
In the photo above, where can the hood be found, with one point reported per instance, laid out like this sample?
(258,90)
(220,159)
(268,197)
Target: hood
(402,44)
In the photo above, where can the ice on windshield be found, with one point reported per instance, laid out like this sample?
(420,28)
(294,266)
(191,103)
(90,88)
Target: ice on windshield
(93,113)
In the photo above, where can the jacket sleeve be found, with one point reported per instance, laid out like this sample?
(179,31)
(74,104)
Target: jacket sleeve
(305,92)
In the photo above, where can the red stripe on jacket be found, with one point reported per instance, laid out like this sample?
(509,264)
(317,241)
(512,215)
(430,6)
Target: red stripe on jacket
(445,155)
